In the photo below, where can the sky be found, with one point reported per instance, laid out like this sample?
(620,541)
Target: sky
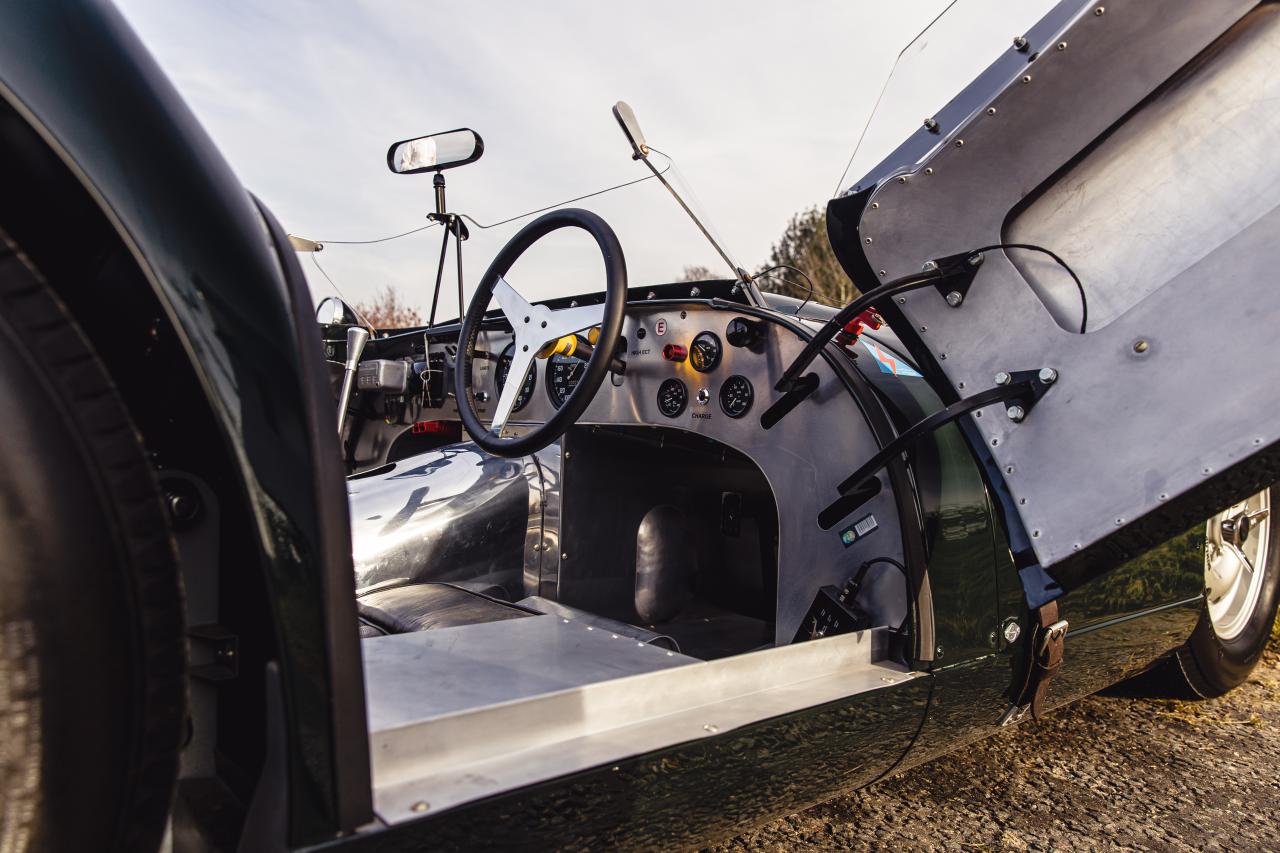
(759,103)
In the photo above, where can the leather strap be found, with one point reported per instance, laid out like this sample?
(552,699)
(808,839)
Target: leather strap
(1044,657)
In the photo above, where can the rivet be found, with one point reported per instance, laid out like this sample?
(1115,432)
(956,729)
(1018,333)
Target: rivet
(564,556)
(526,348)
(1119,521)
(1141,346)
(695,292)
(867,241)
(929,170)
(960,385)
(902,300)
(526,319)
(1026,78)
(902,179)
(875,205)
(711,727)
(1022,501)
(1206,471)
(1164,496)
(420,806)
(1075,547)
(959,143)
(924,328)
(1008,469)
(652,295)
(1035,534)
(995,442)
(882,273)
(991,111)
(888,679)
(1062,45)
(1100,11)
(938,651)
(544,324)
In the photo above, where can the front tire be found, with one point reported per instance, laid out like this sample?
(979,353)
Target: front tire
(92,648)
(1242,583)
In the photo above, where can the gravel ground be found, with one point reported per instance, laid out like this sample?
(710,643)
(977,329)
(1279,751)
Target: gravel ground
(1110,772)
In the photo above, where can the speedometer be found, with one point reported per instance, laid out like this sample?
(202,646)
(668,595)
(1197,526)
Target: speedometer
(530,379)
(736,396)
(563,374)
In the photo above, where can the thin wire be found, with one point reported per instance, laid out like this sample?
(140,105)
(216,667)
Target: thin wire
(803,274)
(380,239)
(572,200)
(334,285)
(1084,300)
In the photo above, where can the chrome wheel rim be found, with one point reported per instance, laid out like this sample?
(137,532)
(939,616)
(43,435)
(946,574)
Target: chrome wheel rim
(1235,556)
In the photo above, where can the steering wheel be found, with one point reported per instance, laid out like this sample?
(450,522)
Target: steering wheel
(535,326)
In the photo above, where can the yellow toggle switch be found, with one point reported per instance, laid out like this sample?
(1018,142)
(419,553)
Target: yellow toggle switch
(564,346)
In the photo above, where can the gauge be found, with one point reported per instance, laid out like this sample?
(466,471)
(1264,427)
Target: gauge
(530,379)
(563,374)
(736,396)
(704,352)
(672,398)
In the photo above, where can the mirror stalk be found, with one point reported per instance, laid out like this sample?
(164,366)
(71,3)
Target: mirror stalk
(640,151)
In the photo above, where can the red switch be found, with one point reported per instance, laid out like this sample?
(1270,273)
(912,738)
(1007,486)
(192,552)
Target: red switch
(674,352)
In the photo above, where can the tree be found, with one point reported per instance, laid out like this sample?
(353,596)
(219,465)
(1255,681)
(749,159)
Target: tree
(386,311)
(804,244)
(696,272)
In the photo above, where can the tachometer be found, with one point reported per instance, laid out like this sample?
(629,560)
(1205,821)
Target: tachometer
(673,396)
(736,396)
(530,379)
(563,374)
(704,352)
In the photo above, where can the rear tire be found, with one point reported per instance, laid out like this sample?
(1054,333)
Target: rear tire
(92,647)
(1235,622)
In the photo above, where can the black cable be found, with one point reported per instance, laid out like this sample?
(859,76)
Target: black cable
(1084,300)
(803,274)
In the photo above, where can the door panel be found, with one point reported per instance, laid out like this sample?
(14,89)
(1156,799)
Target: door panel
(1166,409)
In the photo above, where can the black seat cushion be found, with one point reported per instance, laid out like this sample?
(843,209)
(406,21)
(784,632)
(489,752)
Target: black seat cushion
(424,606)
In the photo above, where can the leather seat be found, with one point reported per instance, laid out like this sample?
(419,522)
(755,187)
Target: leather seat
(424,606)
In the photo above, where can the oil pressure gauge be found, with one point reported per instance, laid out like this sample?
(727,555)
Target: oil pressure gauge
(673,396)
(736,396)
(704,352)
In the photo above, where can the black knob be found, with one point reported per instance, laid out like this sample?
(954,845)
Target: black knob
(742,332)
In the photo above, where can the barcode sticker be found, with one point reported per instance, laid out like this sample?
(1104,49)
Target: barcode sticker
(865,525)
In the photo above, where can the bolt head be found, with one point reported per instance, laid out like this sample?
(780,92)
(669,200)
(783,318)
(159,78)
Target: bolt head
(1015,413)
(976,259)
(929,266)
(1048,375)
(954,298)
(1012,632)
(931,124)
(1003,378)
(1020,43)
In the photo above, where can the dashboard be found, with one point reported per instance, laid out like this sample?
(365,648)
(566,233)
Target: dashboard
(706,368)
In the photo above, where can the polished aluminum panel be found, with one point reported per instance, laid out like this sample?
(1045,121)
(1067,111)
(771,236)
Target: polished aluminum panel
(525,712)
(454,514)
(1123,416)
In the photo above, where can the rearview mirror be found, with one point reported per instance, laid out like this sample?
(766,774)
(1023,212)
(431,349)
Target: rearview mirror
(435,152)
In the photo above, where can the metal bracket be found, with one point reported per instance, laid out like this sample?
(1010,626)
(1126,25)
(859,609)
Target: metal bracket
(956,275)
(215,653)
(1034,384)
(1015,714)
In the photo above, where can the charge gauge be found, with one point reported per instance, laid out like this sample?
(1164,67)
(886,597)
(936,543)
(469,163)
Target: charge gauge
(736,396)
(673,396)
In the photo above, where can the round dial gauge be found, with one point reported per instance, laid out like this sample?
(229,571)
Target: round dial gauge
(673,396)
(704,352)
(736,396)
(563,374)
(504,368)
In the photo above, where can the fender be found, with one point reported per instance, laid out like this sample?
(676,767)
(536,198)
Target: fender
(232,293)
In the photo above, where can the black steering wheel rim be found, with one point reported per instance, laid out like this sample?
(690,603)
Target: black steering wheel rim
(598,364)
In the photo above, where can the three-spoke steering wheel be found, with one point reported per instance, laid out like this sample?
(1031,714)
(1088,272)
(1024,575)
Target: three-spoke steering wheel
(535,326)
